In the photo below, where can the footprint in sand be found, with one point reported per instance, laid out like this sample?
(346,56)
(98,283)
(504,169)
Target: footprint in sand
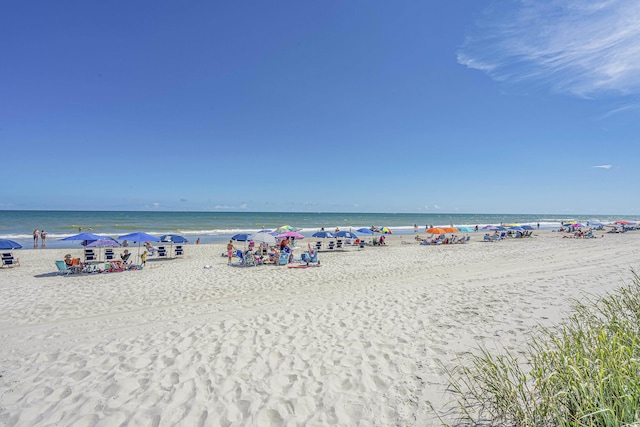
(79,375)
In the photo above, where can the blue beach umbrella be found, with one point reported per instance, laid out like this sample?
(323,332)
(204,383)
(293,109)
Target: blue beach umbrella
(241,237)
(346,234)
(9,244)
(173,238)
(103,242)
(323,235)
(139,237)
(493,227)
(85,236)
(527,227)
(464,229)
(364,231)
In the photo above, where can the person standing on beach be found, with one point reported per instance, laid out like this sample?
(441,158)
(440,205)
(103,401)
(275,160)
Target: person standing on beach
(36,235)
(230,251)
(43,238)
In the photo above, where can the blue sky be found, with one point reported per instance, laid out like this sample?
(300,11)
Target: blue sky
(334,106)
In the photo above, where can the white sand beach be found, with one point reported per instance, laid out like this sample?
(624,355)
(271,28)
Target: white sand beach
(360,341)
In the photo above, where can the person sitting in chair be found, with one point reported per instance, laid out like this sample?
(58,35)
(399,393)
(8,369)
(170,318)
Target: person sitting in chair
(274,255)
(124,258)
(150,248)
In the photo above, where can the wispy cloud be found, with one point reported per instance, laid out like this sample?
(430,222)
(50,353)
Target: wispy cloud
(583,47)
(602,166)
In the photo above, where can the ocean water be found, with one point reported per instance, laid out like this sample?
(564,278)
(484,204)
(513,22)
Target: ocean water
(220,226)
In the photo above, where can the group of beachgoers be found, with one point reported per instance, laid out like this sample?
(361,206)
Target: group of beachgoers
(281,253)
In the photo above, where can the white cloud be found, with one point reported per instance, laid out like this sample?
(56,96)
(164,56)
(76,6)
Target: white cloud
(156,205)
(244,206)
(583,47)
(603,166)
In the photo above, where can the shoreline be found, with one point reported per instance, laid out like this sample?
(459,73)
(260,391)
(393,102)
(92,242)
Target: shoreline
(360,340)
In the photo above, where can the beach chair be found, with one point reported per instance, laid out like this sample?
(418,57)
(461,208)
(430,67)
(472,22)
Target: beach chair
(8,260)
(503,235)
(109,255)
(284,258)
(63,268)
(318,245)
(338,244)
(487,238)
(245,259)
(162,252)
(361,244)
(115,266)
(179,251)
(125,259)
(331,245)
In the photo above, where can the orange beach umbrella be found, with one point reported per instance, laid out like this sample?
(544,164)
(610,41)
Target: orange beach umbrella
(436,230)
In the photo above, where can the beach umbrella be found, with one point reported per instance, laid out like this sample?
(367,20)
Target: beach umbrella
(364,231)
(103,242)
(285,228)
(173,238)
(346,234)
(465,229)
(623,222)
(516,228)
(451,229)
(385,230)
(139,237)
(596,224)
(324,234)
(241,237)
(436,230)
(527,227)
(9,244)
(290,234)
(265,238)
(85,237)
(493,227)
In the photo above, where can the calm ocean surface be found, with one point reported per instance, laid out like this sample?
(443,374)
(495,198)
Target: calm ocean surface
(220,226)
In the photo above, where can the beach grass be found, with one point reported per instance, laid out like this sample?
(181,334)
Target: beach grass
(583,372)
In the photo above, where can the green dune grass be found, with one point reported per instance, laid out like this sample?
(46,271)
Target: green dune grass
(583,372)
